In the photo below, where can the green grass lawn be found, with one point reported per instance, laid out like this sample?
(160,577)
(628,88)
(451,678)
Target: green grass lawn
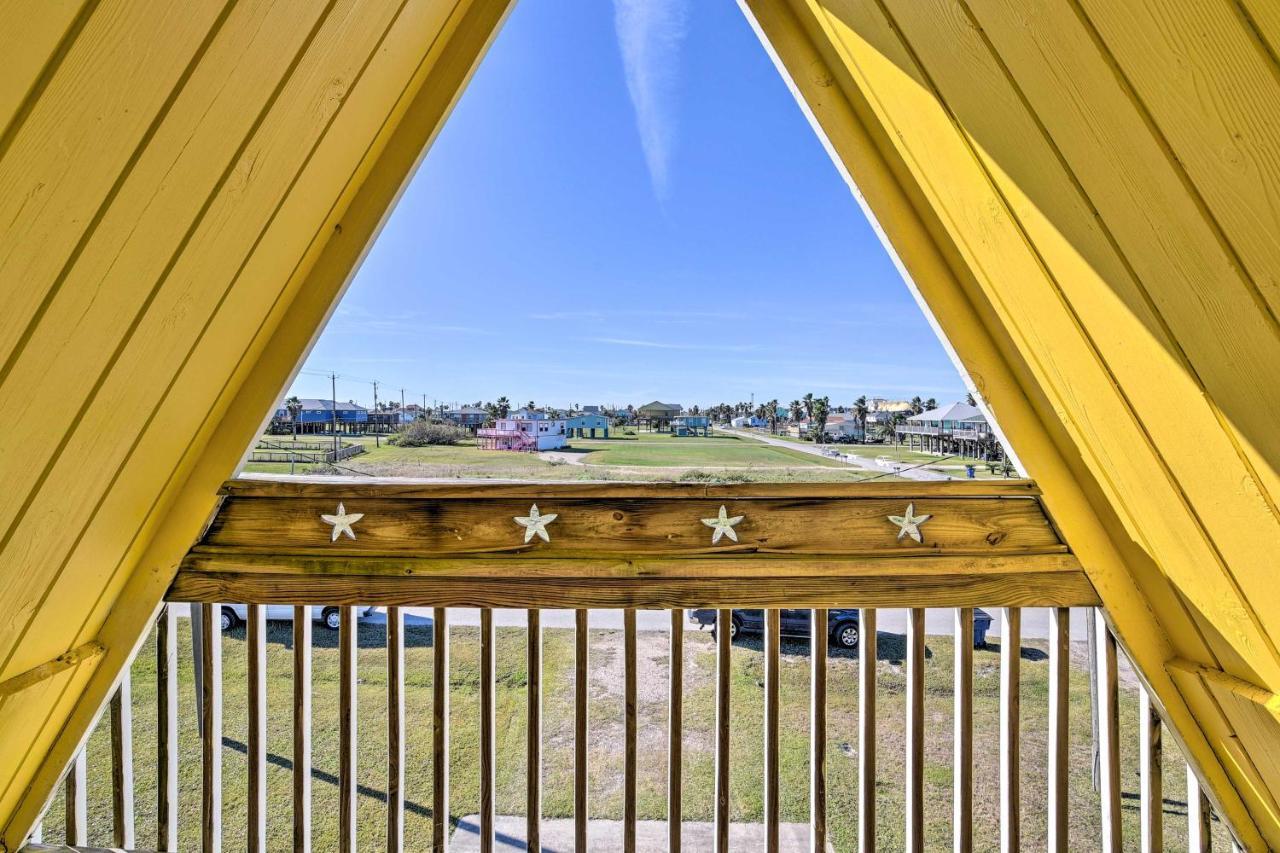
(640,456)
(606,740)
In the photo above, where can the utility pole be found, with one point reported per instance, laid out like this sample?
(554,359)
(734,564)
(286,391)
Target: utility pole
(402,399)
(424,407)
(377,434)
(333,389)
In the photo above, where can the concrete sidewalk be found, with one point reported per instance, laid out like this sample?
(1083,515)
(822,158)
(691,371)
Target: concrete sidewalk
(605,836)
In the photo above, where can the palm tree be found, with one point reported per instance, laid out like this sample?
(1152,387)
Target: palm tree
(294,405)
(968,398)
(808,406)
(930,404)
(860,412)
(793,410)
(916,406)
(821,409)
(773,416)
(503,406)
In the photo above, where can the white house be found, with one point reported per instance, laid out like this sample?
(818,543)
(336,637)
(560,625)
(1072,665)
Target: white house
(526,434)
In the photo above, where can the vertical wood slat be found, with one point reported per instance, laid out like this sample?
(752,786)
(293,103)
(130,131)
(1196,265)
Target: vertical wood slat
(211,728)
(962,737)
(302,729)
(395,729)
(533,736)
(867,651)
(1108,733)
(1010,729)
(488,733)
(914,839)
(347,729)
(1151,757)
(122,763)
(724,645)
(580,650)
(772,692)
(1059,719)
(675,733)
(256,631)
(167,730)
(629,766)
(818,730)
(1199,826)
(77,801)
(440,730)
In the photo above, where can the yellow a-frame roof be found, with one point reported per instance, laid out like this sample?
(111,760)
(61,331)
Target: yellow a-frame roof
(1083,193)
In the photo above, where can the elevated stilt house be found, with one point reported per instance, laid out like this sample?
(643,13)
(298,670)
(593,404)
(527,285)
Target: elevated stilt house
(1081,193)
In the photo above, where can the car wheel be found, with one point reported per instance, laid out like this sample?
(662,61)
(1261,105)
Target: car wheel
(735,627)
(332,618)
(845,636)
(228,619)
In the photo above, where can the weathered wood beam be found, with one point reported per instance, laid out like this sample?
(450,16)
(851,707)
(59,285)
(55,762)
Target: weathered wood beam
(1035,589)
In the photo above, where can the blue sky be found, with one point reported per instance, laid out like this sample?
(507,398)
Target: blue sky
(627,204)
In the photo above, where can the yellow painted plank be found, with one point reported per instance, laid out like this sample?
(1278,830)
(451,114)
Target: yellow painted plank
(1196,69)
(29,43)
(1207,486)
(219,441)
(80,136)
(1263,17)
(996,244)
(191,291)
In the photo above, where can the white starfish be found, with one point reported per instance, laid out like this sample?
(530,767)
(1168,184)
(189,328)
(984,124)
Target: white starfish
(342,522)
(535,523)
(909,524)
(722,525)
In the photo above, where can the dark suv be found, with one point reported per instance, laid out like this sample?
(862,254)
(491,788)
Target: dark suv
(842,625)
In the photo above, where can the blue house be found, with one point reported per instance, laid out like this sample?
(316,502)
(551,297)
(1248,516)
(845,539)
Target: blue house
(318,416)
(587,425)
(687,425)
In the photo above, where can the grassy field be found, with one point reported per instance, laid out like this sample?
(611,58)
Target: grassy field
(639,456)
(606,739)
(953,466)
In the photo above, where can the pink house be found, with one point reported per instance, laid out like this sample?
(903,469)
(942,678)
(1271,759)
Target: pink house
(529,434)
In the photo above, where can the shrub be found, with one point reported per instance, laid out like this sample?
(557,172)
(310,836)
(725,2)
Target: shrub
(422,434)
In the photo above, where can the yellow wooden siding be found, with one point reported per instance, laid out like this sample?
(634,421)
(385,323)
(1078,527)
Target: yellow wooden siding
(1085,193)
(267,168)
(1088,229)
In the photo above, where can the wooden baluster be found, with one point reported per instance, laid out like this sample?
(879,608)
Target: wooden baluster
(629,768)
(724,645)
(395,729)
(867,650)
(1059,718)
(122,763)
(167,730)
(818,730)
(772,694)
(1151,760)
(533,736)
(440,730)
(962,756)
(1010,729)
(915,731)
(257,739)
(675,732)
(347,726)
(1108,734)
(488,730)
(77,819)
(580,687)
(1199,817)
(211,728)
(302,729)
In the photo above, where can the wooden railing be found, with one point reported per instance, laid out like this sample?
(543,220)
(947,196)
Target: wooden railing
(989,545)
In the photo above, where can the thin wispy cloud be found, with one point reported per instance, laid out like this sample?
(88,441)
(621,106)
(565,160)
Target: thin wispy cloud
(650,33)
(646,344)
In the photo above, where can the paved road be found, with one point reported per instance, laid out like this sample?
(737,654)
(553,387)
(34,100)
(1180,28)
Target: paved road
(855,461)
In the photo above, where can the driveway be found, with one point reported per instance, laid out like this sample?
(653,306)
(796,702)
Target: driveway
(855,461)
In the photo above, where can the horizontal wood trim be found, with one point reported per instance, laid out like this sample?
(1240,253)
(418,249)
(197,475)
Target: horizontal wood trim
(708,567)
(278,486)
(626,524)
(1039,589)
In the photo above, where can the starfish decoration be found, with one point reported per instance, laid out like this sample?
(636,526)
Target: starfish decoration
(535,524)
(342,522)
(909,524)
(722,525)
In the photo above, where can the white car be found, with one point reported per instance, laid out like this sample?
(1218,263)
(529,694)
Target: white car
(236,614)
